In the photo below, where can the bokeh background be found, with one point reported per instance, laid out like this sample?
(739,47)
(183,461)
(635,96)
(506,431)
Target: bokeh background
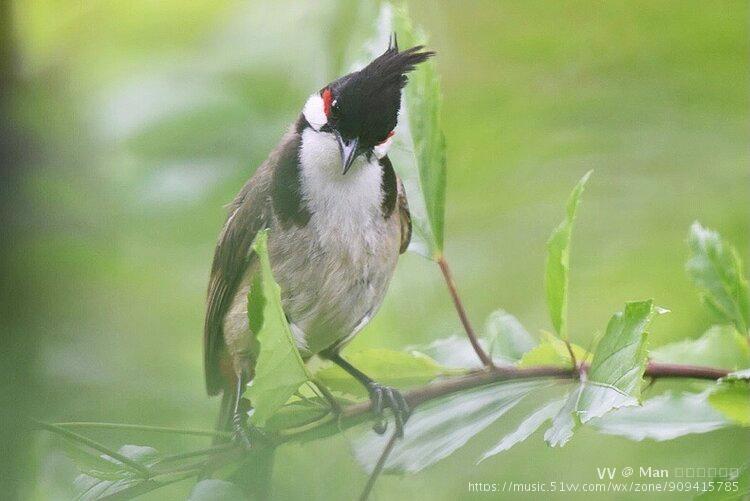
(140,119)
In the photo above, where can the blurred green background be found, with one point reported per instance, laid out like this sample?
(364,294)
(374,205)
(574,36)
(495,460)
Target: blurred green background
(147,116)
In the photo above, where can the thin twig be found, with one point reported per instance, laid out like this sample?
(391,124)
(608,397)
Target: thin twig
(126,461)
(140,427)
(486,360)
(378,467)
(356,413)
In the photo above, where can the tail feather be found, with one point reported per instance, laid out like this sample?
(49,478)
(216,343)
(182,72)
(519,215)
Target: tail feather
(226,413)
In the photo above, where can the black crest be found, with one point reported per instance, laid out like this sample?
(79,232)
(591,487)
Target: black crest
(367,101)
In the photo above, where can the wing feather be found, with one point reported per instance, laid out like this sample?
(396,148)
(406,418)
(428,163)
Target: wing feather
(249,212)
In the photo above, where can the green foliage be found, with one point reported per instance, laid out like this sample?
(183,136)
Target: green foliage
(732,398)
(507,339)
(423,100)
(721,346)
(279,370)
(664,417)
(216,490)
(620,357)
(394,368)
(558,262)
(440,427)
(615,375)
(418,150)
(527,427)
(716,269)
(552,351)
(125,483)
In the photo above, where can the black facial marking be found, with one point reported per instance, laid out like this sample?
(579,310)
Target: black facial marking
(287,192)
(367,101)
(389,187)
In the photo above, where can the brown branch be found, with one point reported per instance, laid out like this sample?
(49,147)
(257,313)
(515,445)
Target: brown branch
(486,360)
(359,412)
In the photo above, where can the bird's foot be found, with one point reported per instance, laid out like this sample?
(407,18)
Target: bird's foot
(383,397)
(240,434)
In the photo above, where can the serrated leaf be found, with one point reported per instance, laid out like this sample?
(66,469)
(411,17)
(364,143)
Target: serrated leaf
(616,371)
(508,340)
(279,370)
(418,149)
(91,487)
(440,427)
(716,269)
(721,346)
(664,417)
(614,377)
(552,351)
(453,352)
(216,490)
(393,368)
(527,427)
(558,262)
(732,399)
(743,375)
(565,422)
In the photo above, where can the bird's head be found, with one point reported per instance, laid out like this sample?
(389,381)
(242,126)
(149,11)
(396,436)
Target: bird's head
(361,109)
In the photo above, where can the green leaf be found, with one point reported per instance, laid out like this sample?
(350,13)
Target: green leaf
(664,417)
(743,375)
(423,101)
(440,427)
(558,263)
(91,487)
(279,370)
(551,351)
(614,378)
(216,490)
(527,427)
(418,149)
(393,368)
(508,340)
(732,399)
(716,269)
(454,352)
(721,346)
(565,422)
(616,371)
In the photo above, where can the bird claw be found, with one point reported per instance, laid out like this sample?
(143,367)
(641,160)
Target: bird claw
(383,397)
(240,435)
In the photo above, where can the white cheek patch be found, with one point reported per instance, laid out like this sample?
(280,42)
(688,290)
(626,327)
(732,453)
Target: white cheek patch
(314,112)
(381,150)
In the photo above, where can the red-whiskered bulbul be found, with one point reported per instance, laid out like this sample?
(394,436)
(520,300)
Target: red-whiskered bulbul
(338,220)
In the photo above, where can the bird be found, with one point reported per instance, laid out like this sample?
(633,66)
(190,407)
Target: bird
(337,218)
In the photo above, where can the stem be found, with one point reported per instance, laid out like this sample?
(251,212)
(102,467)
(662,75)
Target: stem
(378,467)
(356,413)
(140,427)
(126,461)
(486,360)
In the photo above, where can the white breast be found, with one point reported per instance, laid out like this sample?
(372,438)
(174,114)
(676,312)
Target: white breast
(345,208)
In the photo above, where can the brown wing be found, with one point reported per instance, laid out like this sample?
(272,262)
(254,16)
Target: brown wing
(404,216)
(249,213)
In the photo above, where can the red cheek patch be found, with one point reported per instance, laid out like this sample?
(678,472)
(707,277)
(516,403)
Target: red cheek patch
(327,100)
(390,134)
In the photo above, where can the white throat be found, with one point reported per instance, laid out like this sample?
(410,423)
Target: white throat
(344,207)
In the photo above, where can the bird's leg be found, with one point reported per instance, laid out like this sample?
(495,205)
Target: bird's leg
(239,434)
(380,396)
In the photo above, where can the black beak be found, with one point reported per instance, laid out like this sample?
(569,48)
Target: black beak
(348,150)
